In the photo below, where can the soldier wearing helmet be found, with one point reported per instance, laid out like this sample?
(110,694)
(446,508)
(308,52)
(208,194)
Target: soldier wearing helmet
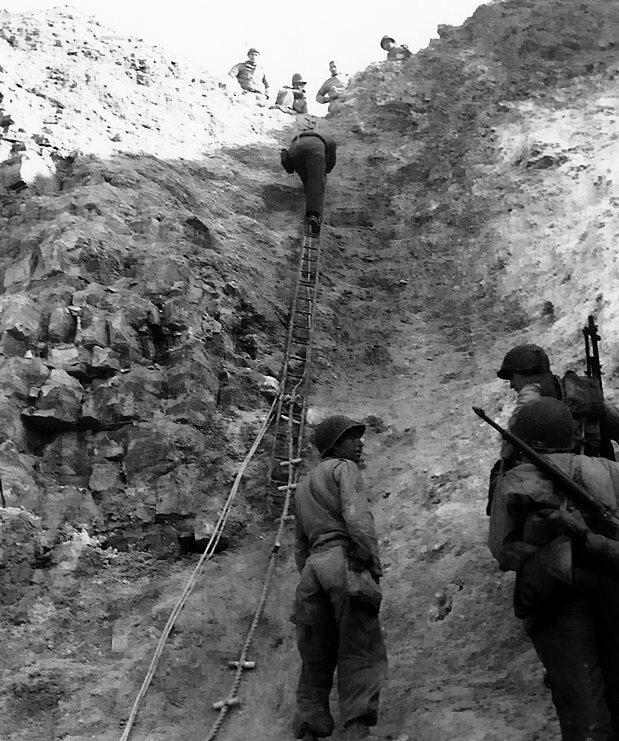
(527,368)
(251,76)
(395,53)
(335,533)
(567,584)
(291,99)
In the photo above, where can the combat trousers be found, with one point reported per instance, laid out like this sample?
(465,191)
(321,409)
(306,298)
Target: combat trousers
(578,643)
(308,155)
(334,631)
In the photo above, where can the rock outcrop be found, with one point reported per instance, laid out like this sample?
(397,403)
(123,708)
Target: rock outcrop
(147,251)
(129,282)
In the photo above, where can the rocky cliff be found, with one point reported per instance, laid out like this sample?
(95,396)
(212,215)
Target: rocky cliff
(147,256)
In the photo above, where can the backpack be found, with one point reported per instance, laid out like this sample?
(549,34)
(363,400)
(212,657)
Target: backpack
(584,398)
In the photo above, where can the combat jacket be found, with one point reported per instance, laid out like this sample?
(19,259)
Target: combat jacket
(399,53)
(331,87)
(332,509)
(524,496)
(251,77)
(293,98)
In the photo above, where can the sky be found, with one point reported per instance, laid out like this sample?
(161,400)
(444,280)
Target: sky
(291,36)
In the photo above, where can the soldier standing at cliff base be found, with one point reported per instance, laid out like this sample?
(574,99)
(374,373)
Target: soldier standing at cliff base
(311,155)
(527,368)
(338,598)
(566,561)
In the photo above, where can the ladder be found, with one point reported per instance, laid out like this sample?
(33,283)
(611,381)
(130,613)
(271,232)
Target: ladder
(291,409)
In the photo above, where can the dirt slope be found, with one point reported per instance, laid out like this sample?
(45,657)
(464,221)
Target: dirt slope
(473,207)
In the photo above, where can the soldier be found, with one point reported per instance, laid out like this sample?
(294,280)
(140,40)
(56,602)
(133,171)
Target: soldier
(337,624)
(395,53)
(292,99)
(251,76)
(333,86)
(527,368)
(567,570)
(312,156)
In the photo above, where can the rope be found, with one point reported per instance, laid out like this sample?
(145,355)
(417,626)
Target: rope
(218,530)
(293,472)
(208,552)
(232,695)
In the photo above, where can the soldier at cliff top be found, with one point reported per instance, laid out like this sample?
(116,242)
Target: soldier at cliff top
(338,597)
(332,87)
(250,75)
(311,155)
(292,99)
(395,53)
(567,566)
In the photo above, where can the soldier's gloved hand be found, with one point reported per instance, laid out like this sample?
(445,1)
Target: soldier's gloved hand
(568,523)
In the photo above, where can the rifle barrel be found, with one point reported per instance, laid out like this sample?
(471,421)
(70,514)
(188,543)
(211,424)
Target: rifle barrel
(580,494)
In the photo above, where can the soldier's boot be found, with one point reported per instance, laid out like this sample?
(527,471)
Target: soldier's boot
(312,224)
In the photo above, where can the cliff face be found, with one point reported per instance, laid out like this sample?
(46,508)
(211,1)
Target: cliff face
(129,263)
(147,256)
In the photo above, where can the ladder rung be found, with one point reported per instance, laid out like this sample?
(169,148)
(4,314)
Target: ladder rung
(286,418)
(287,486)
(292,462)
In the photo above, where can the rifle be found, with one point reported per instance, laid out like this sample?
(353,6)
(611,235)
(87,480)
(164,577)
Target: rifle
(605,515)
(594,371)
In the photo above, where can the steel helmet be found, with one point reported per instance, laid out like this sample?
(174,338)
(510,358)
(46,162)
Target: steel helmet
(297,78)
(384,39)
(331,429)
(546,424)
(524,359)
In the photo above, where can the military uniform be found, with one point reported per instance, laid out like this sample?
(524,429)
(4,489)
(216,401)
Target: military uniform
(334,526)
(251,77)
(567,584)
(312,156)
